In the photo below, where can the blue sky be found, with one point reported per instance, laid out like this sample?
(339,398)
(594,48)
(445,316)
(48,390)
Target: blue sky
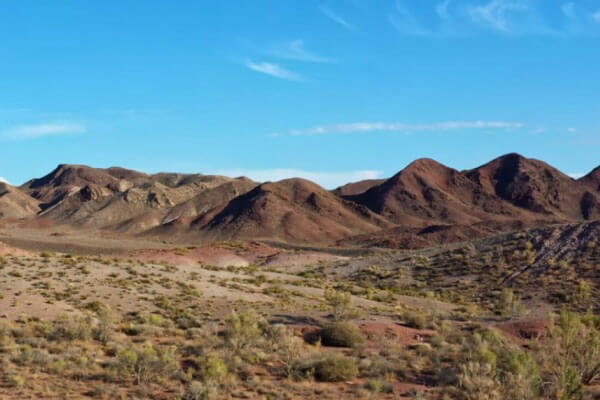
(330,90)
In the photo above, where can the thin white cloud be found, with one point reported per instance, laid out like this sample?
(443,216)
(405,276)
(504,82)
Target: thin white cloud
(327,179)
(335,17)
(273,69)
(24,132)
(406,23)
(507,17)
(495,14)
(371,127)
(295,50)
(576,175)
(2,180)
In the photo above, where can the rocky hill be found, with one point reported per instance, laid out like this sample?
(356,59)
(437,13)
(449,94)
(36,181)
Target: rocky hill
(425,203)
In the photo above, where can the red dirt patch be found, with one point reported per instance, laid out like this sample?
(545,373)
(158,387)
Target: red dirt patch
(376,331)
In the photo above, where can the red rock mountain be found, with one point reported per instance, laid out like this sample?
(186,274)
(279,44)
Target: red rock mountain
(537,187)
(507,189)
(425,203)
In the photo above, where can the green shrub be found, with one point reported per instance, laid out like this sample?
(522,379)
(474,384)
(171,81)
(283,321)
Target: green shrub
(244,334)
(510,304)
(570,358)
(340,303)
(15,381)
(413,319)
(286,347)
(335,368)
(342,334)
(200,391)
(103,330)
(68,329)
(214,369)
(146,363)
(493,368)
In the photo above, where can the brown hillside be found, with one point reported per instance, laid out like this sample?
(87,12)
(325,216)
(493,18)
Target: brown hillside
(16,204)
(117,198)
(210,198)
(67,180)
(294,210)
(354,188)
(508,189)
(536,187)
(592,180)
(424,204)
(432,193)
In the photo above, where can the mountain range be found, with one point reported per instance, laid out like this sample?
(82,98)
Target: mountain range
(425,203)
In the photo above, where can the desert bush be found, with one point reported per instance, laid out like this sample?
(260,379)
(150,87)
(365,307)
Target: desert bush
(69,329)
(583,297)
(492,368)
(15,381)
(244,334)
(200,391)
(146,363)
(379,386)
(340,303)
(509,303)
(570,357)
(335,367)
(103,330)
(214,369)
(286,346)
(342,334)
(415,319)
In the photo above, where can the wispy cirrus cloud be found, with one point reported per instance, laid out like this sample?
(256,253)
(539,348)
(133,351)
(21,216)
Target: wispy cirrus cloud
(496,14)
(372,127)
(272,69)
(506,17)
(34,131)
(404,21)
(295,50)
(327,179)
(337,18)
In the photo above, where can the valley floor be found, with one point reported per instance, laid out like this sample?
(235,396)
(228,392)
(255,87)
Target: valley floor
(91,315)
